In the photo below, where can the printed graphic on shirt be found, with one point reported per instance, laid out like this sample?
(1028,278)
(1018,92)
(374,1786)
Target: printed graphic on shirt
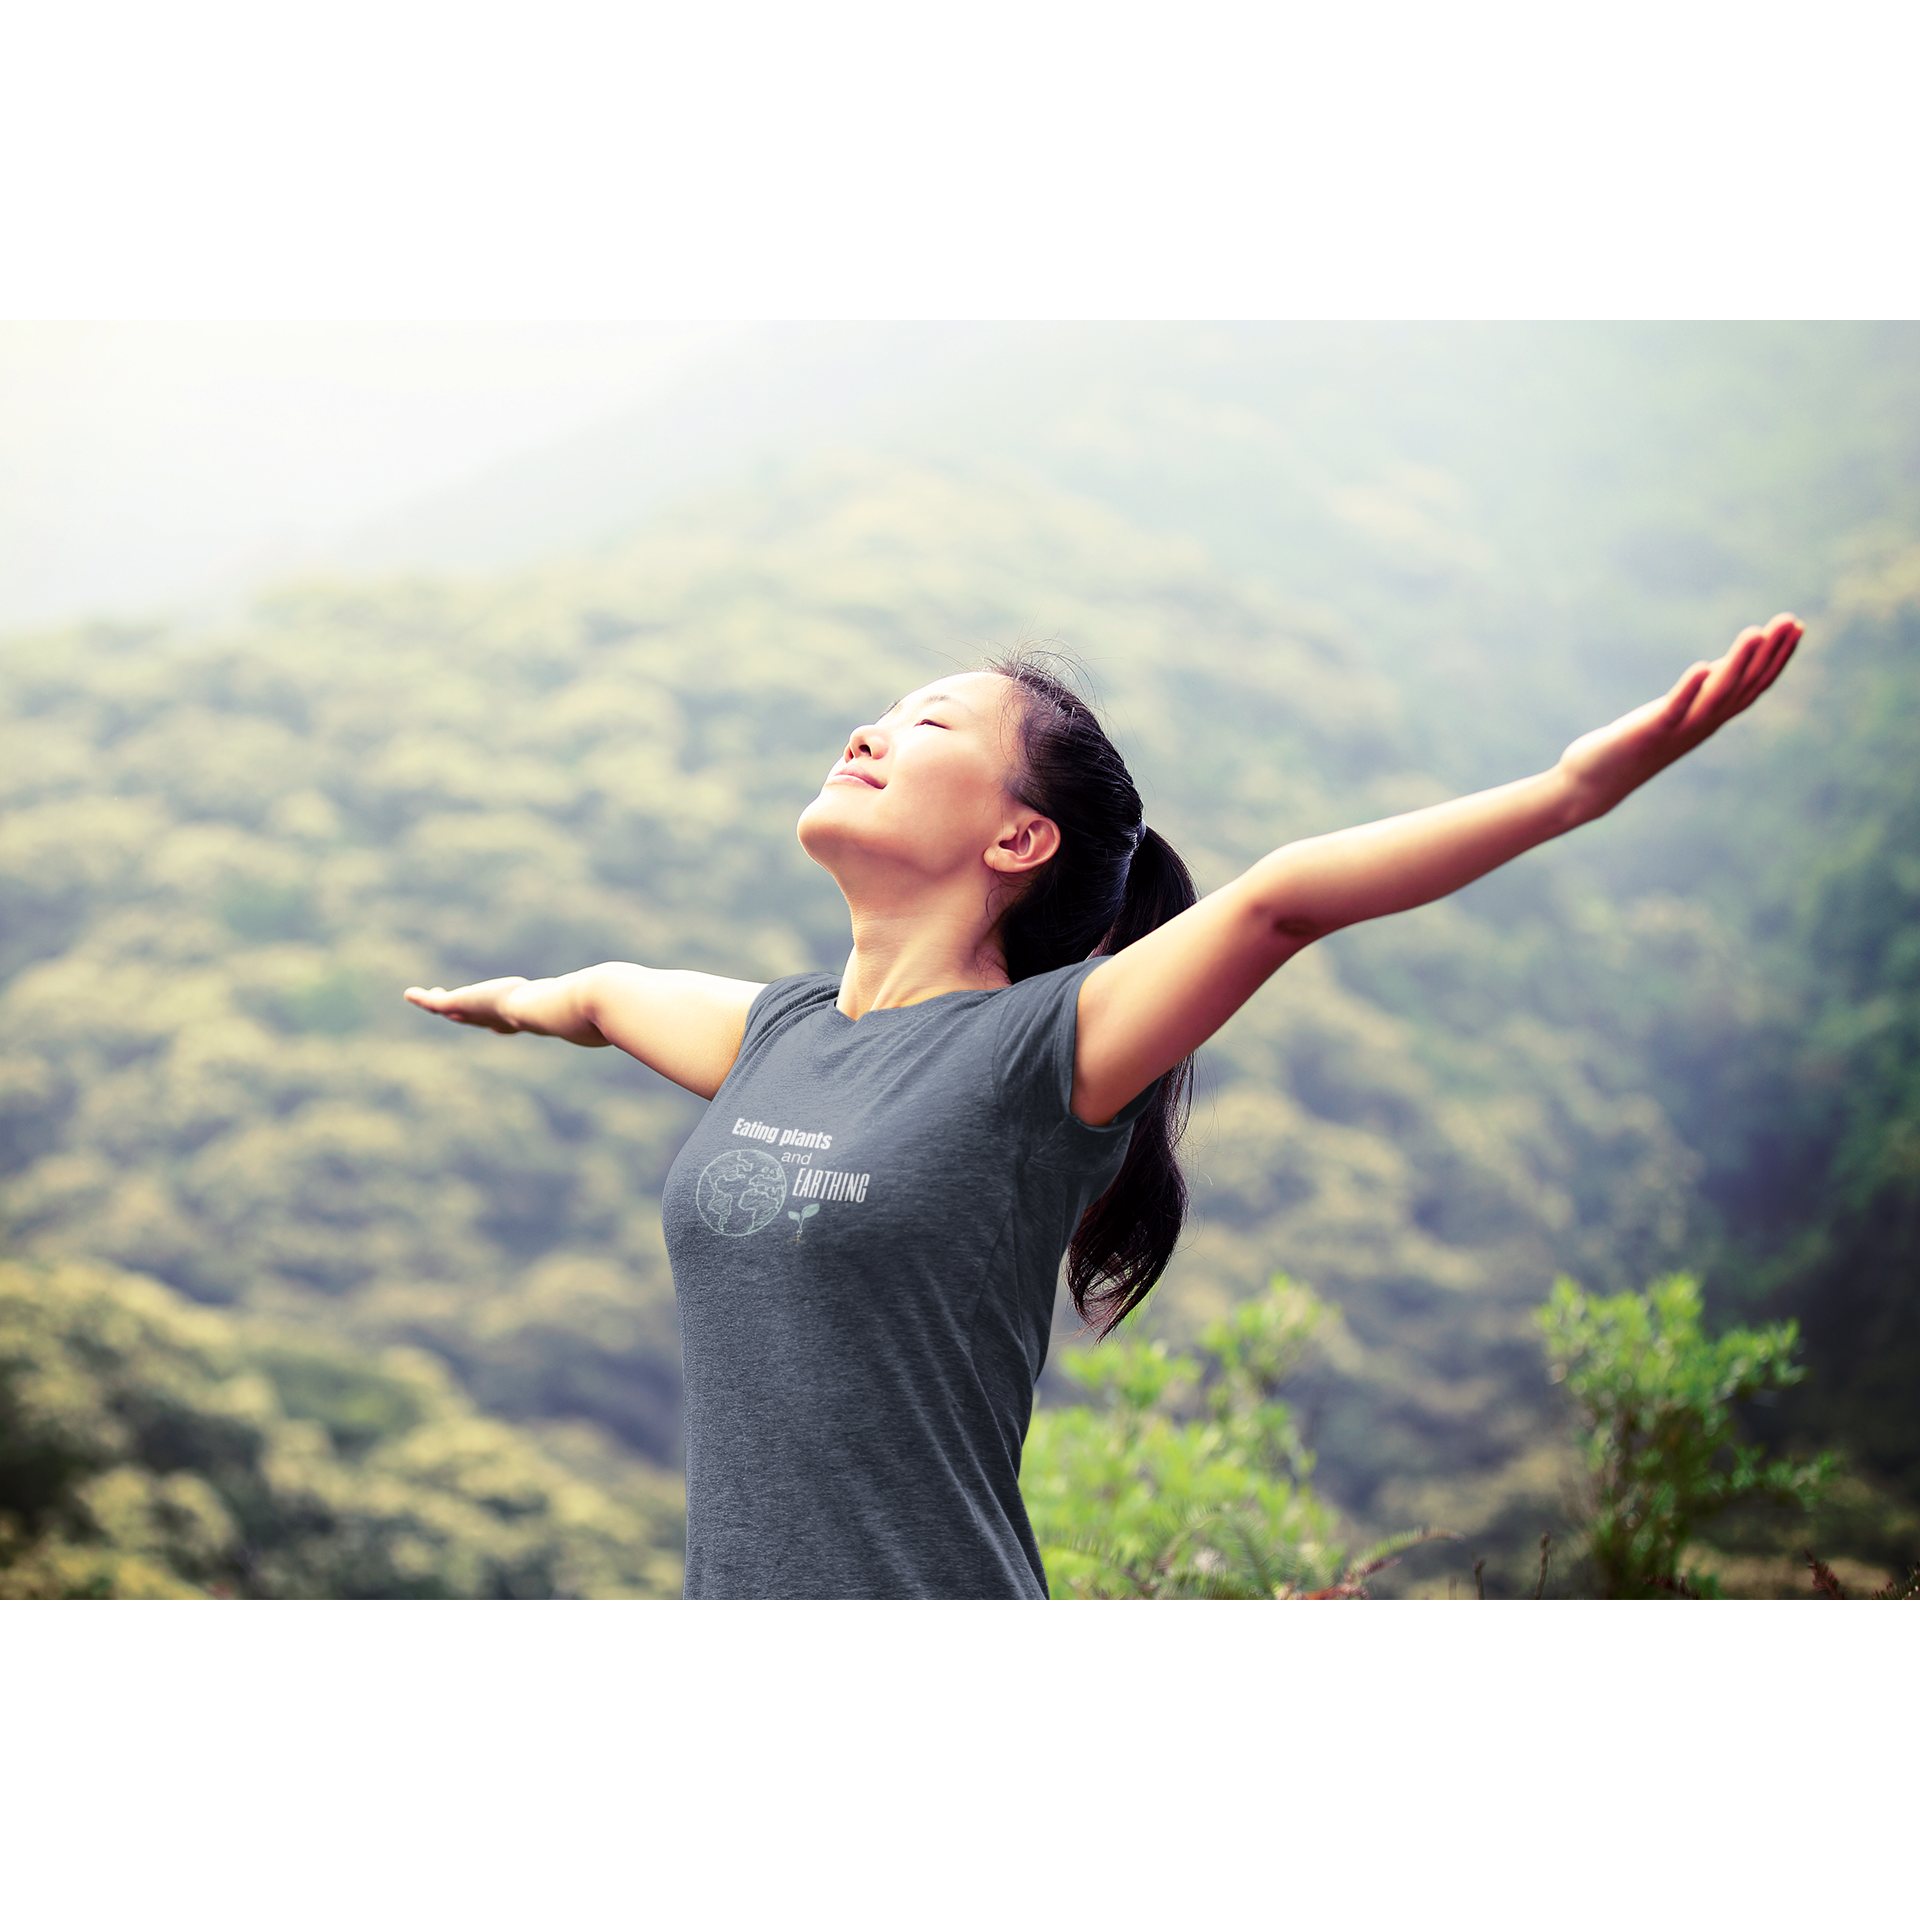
(791,1137)
(741,1192)
(829,1185)
(744,1189)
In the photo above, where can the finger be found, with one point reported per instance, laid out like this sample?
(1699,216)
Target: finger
(1720,680)
(1747,646)
(1781,632)
(1785,635)
(1782,637)
(1725,690)
(1745,658)
(1686,691)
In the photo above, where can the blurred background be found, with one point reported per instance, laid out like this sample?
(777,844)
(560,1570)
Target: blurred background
(338,659)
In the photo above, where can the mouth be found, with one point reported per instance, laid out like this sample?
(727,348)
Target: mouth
(850,773)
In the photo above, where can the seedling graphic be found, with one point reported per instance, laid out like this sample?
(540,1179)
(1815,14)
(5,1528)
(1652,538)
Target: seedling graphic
(803,1216)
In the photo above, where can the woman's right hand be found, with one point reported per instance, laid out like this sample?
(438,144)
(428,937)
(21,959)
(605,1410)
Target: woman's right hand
(481,1005)
(687,1026)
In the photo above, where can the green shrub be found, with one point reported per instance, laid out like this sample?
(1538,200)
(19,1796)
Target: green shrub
(1133,1498)
(1656,1398)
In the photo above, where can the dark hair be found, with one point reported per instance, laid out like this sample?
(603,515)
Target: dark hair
(1112,880)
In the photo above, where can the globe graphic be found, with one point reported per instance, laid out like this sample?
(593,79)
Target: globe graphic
(741,1192)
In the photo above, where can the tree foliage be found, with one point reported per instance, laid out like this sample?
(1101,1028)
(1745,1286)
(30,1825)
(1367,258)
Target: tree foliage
(1656,1398)
(153,1449)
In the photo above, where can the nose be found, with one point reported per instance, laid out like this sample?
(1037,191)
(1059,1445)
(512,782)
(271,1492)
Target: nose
(865,743)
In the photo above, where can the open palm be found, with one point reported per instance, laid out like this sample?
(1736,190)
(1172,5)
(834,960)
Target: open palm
(1612,760)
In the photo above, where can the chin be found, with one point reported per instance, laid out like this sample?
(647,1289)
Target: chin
(831,834)
(816,829)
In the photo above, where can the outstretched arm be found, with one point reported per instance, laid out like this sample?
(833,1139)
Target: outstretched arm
(1152,1004)
(686,1026)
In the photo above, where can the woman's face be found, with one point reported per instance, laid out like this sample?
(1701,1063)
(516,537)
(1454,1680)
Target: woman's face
(922,793)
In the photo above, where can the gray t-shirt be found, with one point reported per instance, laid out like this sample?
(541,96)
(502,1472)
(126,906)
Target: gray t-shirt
(866,1231)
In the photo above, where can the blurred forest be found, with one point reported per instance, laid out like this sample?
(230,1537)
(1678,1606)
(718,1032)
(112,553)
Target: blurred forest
(1316,574)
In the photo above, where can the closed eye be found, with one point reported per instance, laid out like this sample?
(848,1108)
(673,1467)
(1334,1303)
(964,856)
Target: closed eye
(941,724)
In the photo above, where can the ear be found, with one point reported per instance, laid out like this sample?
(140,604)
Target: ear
(1030,840)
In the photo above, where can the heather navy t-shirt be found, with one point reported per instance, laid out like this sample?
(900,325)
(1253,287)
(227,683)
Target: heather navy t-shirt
(866,1231)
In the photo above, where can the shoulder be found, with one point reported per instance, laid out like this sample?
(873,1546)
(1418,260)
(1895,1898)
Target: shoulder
(1035,1016)
(1035,1067)
(794,997)
(1041,994)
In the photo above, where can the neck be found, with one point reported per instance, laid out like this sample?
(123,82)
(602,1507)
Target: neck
(900,958)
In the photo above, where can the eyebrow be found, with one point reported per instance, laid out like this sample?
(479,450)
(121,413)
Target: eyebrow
(931,698)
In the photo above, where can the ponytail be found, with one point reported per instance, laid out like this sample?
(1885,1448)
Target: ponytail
(1112,881)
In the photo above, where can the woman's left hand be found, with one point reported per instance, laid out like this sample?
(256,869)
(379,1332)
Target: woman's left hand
(1606,765)
(1152,1004)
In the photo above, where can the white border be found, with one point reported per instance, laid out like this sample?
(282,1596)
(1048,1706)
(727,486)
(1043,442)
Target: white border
(1047,159)
(319,1758)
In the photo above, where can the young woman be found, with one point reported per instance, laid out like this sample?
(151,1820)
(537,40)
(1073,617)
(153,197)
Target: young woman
(867,1225)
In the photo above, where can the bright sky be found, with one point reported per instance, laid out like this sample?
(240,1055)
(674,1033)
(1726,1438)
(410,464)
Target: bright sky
(391,221)
(143,463)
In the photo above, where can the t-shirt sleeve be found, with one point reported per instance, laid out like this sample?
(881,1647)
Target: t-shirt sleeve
(1033,1067)
(778,1003)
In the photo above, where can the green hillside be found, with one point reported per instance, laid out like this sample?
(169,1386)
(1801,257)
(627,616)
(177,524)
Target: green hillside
(150,1449)
(1688,1038)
